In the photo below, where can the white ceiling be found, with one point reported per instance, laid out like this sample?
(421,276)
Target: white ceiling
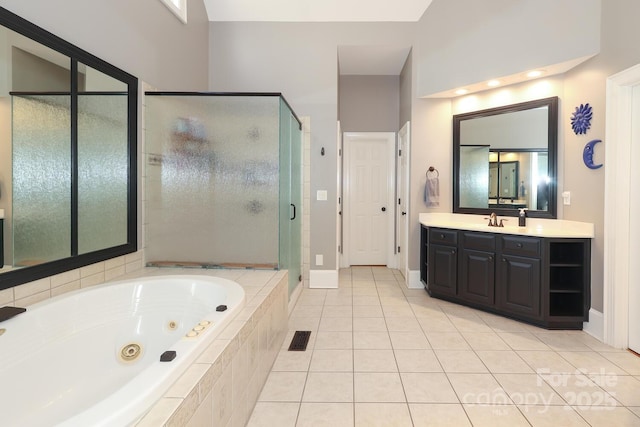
(316,10)
(353,60)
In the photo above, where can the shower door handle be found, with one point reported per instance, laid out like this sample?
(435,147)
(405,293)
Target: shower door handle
(294,211)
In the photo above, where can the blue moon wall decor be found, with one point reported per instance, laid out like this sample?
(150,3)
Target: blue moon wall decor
(587,154)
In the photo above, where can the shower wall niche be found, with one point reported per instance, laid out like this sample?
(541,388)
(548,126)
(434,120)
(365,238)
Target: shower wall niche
(223,181)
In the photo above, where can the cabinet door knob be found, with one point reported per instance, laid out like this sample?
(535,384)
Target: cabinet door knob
(441,236)
(504,260)
(453,251)
(490,258)
(519,245)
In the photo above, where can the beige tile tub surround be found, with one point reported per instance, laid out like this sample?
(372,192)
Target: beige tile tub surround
(91,275)
(222,386)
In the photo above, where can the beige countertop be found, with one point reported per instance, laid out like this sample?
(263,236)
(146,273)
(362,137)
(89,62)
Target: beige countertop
(536,227)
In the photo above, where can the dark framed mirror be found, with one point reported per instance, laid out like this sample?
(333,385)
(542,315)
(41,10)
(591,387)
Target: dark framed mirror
(68,169)
(505,159)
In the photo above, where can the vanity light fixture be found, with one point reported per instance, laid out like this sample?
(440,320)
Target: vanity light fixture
(493,83)
(461,92)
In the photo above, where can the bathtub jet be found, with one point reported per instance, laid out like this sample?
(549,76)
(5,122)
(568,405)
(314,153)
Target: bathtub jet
(97,356)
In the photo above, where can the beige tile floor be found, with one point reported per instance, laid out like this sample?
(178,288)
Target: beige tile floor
(383,355)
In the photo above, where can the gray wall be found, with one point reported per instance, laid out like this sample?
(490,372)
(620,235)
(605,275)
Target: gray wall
(406,91)
(141,37)
(300,60)
(369,103)
(587,83)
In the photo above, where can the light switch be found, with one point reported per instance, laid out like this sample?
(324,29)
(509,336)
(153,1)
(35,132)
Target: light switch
(319,260)
(566,197)
(322,195)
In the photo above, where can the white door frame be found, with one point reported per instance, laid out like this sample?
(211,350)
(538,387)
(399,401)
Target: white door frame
(339,201)
(619,265)
(391,185)
(403,232)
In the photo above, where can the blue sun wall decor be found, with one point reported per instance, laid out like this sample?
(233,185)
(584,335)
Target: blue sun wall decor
(581,119)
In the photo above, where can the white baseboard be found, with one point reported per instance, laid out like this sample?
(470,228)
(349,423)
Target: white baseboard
(323,279)
(414,280)
(595,325)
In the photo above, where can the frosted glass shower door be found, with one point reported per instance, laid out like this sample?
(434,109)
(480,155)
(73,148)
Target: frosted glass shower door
(296,199)
(211,180)
(290,195)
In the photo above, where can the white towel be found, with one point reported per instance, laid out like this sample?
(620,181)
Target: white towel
(432,192)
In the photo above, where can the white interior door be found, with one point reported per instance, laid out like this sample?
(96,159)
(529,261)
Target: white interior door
(402,194)
(634,229)
(369,196)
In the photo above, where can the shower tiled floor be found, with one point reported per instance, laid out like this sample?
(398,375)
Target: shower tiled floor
(383,355)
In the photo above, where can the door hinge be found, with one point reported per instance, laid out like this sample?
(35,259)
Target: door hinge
(399,153)
(398,249)
(399,201)
(340,152)
(339,249)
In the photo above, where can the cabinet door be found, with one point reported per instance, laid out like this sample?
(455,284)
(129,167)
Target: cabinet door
(477,276)
(518,286)
(443,267)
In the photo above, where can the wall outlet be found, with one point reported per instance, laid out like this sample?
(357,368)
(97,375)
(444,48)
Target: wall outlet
(566,197)
(319,260)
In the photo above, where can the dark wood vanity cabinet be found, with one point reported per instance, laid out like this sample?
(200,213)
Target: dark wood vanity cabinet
(443,261)
(542,281)
(477,268)
(519,288)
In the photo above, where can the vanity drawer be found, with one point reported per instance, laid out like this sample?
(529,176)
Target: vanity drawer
(443,237)
(479,241)
(522,246)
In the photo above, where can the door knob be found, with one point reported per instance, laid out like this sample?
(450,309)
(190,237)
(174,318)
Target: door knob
(404,213)
(384,209)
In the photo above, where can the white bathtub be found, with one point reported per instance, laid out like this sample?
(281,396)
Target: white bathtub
(61,361)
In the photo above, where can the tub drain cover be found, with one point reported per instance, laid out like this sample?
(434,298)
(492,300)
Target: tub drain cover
(300,341)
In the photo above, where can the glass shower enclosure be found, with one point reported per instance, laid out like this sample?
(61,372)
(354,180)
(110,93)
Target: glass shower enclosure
(223,182)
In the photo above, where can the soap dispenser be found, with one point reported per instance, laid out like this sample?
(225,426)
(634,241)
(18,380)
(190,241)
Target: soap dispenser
(522,218)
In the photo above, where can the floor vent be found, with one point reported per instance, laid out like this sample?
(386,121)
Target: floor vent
(300,341)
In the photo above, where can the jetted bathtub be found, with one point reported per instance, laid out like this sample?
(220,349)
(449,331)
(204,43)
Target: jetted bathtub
(92,357)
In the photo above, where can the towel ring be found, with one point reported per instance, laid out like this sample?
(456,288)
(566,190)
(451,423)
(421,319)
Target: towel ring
(432,169)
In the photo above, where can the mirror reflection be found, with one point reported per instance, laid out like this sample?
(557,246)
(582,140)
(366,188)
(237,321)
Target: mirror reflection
(67,155)
(504,159)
